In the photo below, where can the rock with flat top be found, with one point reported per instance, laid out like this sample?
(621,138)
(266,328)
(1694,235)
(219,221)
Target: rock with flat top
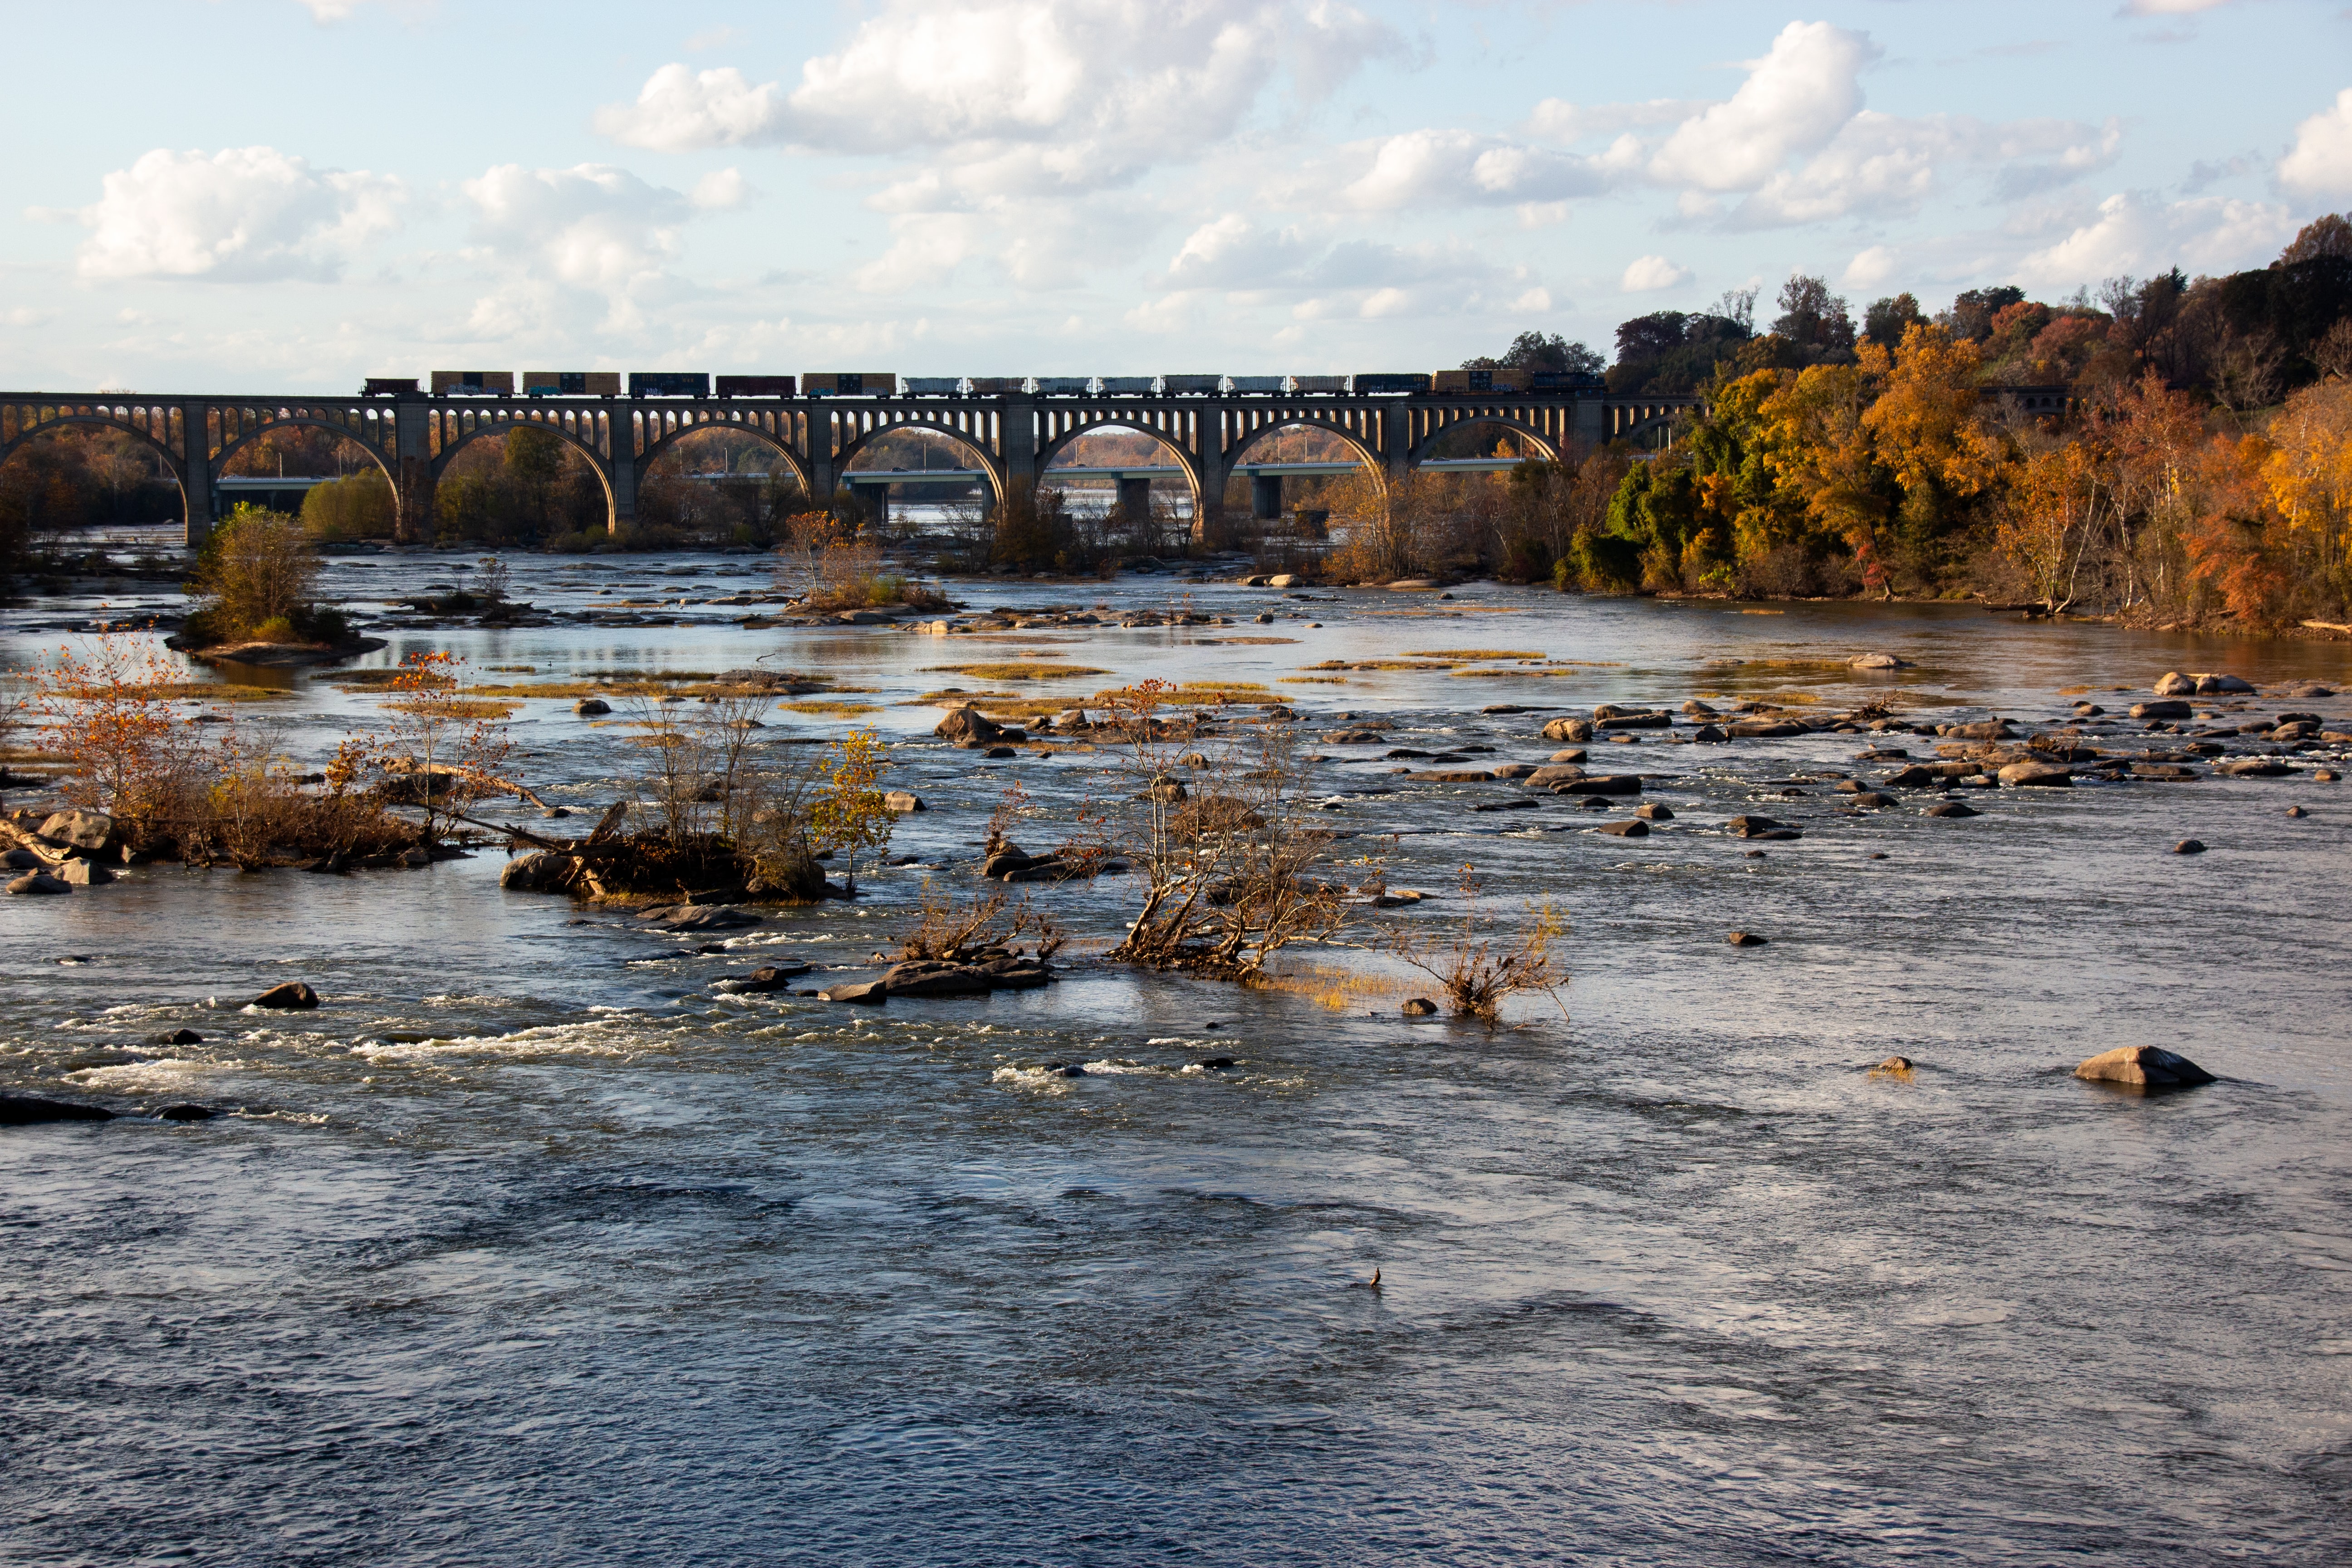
(701,917)
(2036,775)
(27,1109)
(1606,784)
(1761,827)
(1630,828)
(2143,1068)
(769,977)
(84,874)
(903,800)
(1877,661)
(39,883)
(865,994)
(87,830)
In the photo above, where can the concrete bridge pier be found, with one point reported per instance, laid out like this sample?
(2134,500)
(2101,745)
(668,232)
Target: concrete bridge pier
(196,473)
(1135,500)
(1266,495)
(415,491)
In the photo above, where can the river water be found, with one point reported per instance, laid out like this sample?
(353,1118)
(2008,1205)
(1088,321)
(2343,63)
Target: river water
(528,1247)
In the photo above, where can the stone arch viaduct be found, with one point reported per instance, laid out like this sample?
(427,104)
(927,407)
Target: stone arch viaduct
(1012,436)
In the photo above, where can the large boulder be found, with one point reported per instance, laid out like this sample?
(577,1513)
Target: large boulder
(2209,685)
(933,977)
(1569,730)
(592,707)
(2172,683)
(968,726)
(1606,784)
(548,871)
(2028,776)
(864,992)
(39,883)
(84,874)
(26,1110)
(90,831)
(2143,1068)
(903,800)
(2254,768)
(2168,708)
(294,997)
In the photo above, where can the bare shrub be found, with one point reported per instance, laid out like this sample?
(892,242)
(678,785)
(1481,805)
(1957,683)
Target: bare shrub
(1478,971)
(960,931)
(1230,865)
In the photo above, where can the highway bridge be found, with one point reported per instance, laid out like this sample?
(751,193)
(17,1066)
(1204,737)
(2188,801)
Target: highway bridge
(1011,439)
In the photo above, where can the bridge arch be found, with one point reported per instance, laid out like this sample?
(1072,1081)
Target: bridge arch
(988,462)
(671,440)
(1534,438)
(21,428)
(1235,455)
(1184,461)
(22,423)
(507,426)
(220,458)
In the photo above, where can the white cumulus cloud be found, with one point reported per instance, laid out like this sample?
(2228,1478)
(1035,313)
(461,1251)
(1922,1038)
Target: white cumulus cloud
(1650,273)
(1794,101)
(2132,233)
(564,237)
(241,214)
(2320,163)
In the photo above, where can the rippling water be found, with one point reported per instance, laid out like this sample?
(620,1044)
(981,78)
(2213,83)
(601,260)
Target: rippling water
(527,1248)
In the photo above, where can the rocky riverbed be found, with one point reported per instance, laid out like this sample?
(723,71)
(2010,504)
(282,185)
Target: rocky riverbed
(599,1217)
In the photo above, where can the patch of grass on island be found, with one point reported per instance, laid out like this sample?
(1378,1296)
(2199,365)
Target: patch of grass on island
(1472,654)
(1022,670)
(829,709)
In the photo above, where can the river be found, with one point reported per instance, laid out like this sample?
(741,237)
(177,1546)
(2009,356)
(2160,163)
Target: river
(526,1246)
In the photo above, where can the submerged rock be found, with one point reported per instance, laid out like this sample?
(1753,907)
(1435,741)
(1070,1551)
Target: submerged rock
(1761,827)
(39,883)
(1744,939)
(27,1109)
(185,1112)
(770,977)
(701,917)
(1950,808)
(1631,827)
(2143,1068)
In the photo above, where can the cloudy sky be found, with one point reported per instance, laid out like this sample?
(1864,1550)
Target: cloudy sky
(289,194)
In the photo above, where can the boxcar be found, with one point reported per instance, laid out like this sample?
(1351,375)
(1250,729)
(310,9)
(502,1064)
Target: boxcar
(670,384)
(387,386)
(572,383)
(850,384)
(1475,381)
(758,387)
(473,383)
(1377,380)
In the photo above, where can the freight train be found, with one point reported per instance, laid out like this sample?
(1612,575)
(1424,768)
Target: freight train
(886,384)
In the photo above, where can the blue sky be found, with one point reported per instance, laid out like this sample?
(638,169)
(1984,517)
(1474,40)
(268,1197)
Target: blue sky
(290,195)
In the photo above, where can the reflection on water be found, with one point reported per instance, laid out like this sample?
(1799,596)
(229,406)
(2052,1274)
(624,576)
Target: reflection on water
(527,1246)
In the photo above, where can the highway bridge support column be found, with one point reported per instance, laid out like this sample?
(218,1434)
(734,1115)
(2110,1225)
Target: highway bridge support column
(1135,500)
(1266,495)
(414,489)
(196,473)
